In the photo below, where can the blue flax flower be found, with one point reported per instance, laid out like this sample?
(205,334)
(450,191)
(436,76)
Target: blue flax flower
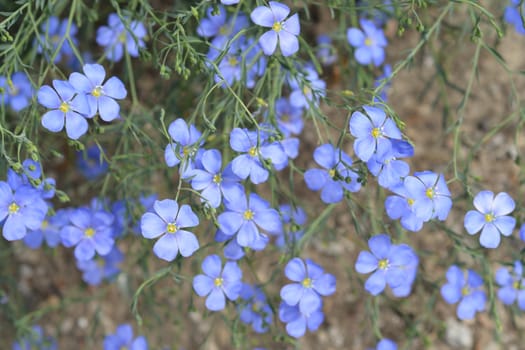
(369,42)
(467,291)
(116,37)
(491,218)
(293,219)
(513,15)
(102,268)
(56,32)
(213,183)
(243,217)
(36,340)
(335,178)
(298,322)
(123,339)
(217,26)
(386,344)
(16,92)
(167,221)
(183,145)
(230,2)
(392,265)
(512,285)
(68,107)
(430,194)
(307,89)
(91,163)
(373,132)
(100,96)
(401,206)
(49,231)
(289,118)
(89,231)
(22,208)
(218,283)
(311,284)
(283,31)
(390,170)
(325,51)
(254,308)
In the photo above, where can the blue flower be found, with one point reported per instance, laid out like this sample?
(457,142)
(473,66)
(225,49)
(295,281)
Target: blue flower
(230,2)
(56,31)
(116,37)
(283,31)
(335,178)
(218,283)
(511,285)
(513,15)
(183,145)
(67,107)
(467,291)
(249,163)
(254,308)
(16,92)
(90,231)
(325,51)
(491,218)
(48,231)
(218,26)
(36,340)
(167,221)
(213,183)
(100,96)
(293,219)
(105,267)
(373,132)
(289,118)
(401,205)
(307,89)
(91,163)
(22,208)
(123,339)
(386,344)
(430,194)
(311,284)
(391,171)
(369,42)
(297,322)
(392,265)
(243,217)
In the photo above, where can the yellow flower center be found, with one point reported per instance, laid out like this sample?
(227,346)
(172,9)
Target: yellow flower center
(89,232)
(224,30)
(122,37)
(64,107)
(13,208)
(307,91)
(248,215)
(410,201)
(232,60)
(430,192)
(13,90)
(368,42)
(186,151)
(97,91)
(489,217)
(376,132)
(285,117)
(256,306)
(54,39)
(277,26)
(516,285)
(253,151)
(45,224)
(331,173)
(172,228)
(218,281)
(307,282)
(217,178)
(382,264)
(465,291)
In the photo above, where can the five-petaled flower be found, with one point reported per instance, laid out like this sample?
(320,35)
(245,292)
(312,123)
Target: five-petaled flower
(167,221)
(467,291)
(283,31)
(369,42)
